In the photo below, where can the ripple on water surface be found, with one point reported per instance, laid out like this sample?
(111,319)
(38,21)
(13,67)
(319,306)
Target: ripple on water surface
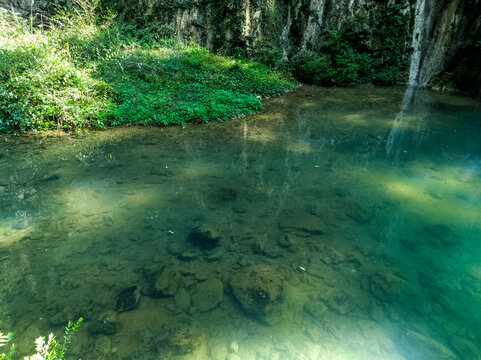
(333,224)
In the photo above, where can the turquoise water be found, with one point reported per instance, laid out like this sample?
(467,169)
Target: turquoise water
(333,224)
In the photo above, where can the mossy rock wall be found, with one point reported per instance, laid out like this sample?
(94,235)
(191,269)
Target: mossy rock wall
(282,29)
(453,52)
(228,26)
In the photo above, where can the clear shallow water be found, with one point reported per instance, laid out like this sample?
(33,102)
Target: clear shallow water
(344,224)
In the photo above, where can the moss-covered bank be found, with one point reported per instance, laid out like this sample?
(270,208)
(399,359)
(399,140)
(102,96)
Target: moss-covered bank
(79,74)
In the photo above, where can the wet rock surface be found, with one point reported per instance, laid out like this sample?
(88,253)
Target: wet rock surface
(207,294)
(183,337)
(128,299)
(357,213)
(315,308)
(442,234)
(102,347)
(106,323)
(203,240)
(266,248)
(182,300)
(386,286)
(425,348)
(301,223)
(168,281)
(258,289)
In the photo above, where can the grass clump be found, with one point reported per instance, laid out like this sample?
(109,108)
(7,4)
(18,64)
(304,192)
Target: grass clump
(81,73)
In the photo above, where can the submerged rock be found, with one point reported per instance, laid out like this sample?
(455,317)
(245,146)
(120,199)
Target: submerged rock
(168,282)
(329,255)
(258,289)
(465,347)
(386,286)
(64,314)
(25,343)
(340,303)
(216,254)
(314,308)
(182,299)
(102,346)
(423,347)
(203,240)
(175,248)
(301,223)
(190,255)
(233,356)
(108,220)
(356,212)
(54,177)
(233,346)
(409,243)
(106,323)
(285,241)
(207,295)
(128,299)
(184,337)
(218,351)
(442,234)
(265,248)
(225,194)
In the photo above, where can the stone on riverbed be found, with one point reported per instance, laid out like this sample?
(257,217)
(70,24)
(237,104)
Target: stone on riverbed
(106,323)
(168,282)
(128,299)
(442,234)
(386,286)
(258,289)
(182,300)
(206,295)
(356,212)
(102,347)
(423,347)
(265,248)
(301,223)
(184,337)
(203,240)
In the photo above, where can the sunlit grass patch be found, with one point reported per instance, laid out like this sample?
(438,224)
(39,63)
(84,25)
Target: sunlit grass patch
(77,75)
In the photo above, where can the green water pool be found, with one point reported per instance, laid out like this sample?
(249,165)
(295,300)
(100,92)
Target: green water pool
(336,223)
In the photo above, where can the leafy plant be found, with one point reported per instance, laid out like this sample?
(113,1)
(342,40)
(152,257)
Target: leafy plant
(46,349)
(4,340)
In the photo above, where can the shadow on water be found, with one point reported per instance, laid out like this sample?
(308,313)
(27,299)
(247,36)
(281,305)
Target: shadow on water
(315,229)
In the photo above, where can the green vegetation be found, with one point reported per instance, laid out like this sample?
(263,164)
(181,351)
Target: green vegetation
(46,349)
(83,72)
(352,55)
(4,340)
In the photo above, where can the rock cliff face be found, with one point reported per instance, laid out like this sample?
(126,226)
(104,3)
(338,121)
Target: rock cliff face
(223,25)
(27,7)
(446,44)
(445,36)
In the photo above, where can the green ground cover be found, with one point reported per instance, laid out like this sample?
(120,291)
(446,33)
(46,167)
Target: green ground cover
(85,73)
